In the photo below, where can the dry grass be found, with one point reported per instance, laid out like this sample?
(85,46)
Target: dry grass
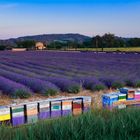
(96,98)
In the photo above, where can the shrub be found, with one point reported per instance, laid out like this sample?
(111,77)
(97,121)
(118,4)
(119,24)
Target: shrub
(112,82)
(65,85)
(51,92)
(14,89)
(117,84)
(137,83)
(98,87)
(74,89)
(130,82)
(37,85)
(108,82)
(91,83)
(21,93)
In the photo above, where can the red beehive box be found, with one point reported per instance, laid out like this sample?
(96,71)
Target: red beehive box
(77,106)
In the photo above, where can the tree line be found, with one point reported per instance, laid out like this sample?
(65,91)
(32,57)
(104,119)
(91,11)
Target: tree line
(108,40)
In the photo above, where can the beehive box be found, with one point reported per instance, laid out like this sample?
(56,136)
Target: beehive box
(109,99)
(66,107)
(137,95)
(18,115)
(125,90)
(130,93)
(5,116)
(55,109)
(86,103)
(44,109)
(121,97)
(31,112)
(77,106)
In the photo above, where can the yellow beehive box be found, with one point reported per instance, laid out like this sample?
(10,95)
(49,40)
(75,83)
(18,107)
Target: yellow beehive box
(5,114)
(5,117)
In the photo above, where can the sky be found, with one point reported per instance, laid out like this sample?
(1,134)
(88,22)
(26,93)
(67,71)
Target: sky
(88,17)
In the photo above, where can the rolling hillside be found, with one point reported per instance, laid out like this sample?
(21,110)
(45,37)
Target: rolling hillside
(46,38)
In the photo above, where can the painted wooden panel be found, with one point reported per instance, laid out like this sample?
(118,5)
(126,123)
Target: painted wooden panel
(32,112)
(55,109)
(31,109)
(87,103)
(5,113)
(66,107)
(77,107)
(44,110)
(18,115)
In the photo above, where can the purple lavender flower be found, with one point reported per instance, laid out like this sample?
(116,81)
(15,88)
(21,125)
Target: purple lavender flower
(64,84)
(37,85)
(91,83)
(14,89)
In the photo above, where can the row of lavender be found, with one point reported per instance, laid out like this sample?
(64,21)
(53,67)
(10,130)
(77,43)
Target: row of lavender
(48,73)
(40,110)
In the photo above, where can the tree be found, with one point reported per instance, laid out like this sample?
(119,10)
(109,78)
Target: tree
(108,40)
(134,42)
(2,47)
(87,43)
(97,42)
(25,44)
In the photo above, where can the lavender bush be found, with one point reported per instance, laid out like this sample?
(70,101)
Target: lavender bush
(108,82)
(91,83)
(37,85)
(65,85)
(45,71)
(14,89)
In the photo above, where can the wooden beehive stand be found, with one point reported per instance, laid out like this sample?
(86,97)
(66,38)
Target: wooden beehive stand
(51,108)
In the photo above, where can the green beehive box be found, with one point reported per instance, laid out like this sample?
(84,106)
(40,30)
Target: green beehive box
(121,97)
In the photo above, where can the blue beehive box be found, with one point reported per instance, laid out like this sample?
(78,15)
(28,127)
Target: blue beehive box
(109,99)
(125,90)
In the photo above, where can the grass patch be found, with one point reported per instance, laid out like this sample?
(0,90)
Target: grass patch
(124,49)
(98,125)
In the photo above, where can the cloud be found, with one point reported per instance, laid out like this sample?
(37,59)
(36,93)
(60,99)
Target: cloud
(8,5)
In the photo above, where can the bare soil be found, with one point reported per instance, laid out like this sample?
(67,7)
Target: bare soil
(96,98)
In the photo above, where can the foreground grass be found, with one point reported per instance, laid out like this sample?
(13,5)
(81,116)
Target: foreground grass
(98,125)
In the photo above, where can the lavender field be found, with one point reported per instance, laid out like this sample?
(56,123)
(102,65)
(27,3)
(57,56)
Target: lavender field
(23,74)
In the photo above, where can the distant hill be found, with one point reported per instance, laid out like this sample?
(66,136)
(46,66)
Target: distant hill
(46,38)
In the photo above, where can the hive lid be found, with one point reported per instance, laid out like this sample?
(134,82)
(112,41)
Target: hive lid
(111,95)
(121,94)
(127,89)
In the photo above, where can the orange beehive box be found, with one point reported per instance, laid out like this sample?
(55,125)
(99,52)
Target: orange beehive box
(77,106)
(31,109)
(77,111)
